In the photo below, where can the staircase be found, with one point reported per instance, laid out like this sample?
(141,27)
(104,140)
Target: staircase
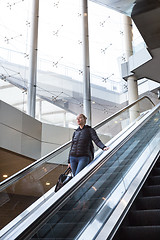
(143,219)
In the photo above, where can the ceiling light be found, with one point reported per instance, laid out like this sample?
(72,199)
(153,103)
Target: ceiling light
(48,183)
(5,175)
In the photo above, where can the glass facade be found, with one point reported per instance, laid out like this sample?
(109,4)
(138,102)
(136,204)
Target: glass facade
(59,56)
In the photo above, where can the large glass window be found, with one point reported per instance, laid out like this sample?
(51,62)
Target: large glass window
(59,79)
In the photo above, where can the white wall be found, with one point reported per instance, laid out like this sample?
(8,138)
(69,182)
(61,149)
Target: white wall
(19,132)
(25,135)
(53,137)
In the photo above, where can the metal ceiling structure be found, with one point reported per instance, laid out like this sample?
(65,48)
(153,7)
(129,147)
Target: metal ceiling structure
(146,16)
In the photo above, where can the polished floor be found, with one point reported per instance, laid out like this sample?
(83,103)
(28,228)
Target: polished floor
(11,162)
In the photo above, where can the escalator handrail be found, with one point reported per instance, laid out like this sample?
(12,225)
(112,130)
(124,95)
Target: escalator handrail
(120,111)
(66,145)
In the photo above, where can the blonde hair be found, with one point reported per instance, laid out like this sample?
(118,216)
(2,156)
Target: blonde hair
(82,115)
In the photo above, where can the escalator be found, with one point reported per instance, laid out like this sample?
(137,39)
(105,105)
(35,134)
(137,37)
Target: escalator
(143,219)
(84,205)
(84,211)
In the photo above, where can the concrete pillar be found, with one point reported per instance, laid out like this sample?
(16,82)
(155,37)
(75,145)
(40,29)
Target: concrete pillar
(86,63)
(132,81)
(133,96)
(32,81)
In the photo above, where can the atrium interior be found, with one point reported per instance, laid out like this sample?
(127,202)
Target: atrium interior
(122,99)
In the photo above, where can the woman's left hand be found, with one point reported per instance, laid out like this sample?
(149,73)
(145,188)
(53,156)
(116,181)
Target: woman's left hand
(69,165)
(105,148)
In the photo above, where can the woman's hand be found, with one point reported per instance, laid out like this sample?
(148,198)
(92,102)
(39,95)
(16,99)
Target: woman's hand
(69,165)
(105,148)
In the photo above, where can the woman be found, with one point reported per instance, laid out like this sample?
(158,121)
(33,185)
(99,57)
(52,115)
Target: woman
(82,152)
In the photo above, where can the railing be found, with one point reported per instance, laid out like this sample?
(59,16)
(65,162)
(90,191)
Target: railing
(17,57)
(63,151)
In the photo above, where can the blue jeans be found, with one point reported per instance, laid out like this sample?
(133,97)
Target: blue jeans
(78,163)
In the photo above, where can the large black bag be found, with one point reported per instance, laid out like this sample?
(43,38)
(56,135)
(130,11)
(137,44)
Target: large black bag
(63,179)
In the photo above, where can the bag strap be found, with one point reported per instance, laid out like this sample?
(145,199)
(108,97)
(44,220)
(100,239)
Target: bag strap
(68,170)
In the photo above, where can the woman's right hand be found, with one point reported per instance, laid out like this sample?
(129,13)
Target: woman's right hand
(69,165)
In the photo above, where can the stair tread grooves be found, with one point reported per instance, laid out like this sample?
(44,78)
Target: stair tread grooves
(145,203)
(152,186)
(146,210)
(139,227)
(154,176)
(154,180)
(152,190)
(149,198)
(141,232)
(144,218)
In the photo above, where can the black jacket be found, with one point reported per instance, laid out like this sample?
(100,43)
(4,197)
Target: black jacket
(82,142)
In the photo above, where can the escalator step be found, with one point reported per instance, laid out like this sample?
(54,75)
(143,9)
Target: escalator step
(151,190)
(154,180)
(157,164)
(145,232)
(156,171)
(148,203)
(145,217)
